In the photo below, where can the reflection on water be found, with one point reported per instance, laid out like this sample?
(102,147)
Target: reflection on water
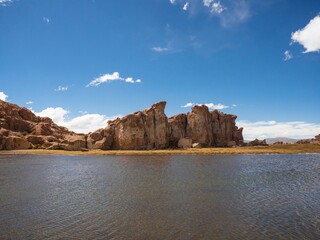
(160,197)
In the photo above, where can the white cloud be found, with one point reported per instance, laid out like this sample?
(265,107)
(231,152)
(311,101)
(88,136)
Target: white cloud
(287,55)
(218,106)
(238,12)
(207,3)
(160,49)
(309,36)
(47,20)
(230,13)
(185,6)
(61,89)
(271,129)
(3,96)
(172,1)
(111,77)
(130,80)
(188,105)
(5,2)
(217,8)
(81,124)
(29,102)
(56,114)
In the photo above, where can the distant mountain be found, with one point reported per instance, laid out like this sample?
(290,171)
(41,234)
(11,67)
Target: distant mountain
(281,139)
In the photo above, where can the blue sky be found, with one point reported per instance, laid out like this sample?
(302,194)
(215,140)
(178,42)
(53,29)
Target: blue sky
(82,62)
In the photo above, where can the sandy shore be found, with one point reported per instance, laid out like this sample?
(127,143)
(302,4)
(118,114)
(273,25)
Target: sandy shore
(273,149)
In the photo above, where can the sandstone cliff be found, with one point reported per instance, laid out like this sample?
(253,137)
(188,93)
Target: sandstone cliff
(22,129)
(151,129)
(147,129)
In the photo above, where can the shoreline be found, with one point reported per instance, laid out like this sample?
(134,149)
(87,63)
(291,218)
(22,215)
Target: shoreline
(272,149)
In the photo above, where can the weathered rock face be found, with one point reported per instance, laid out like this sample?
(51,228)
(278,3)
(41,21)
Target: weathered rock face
(150,129)
(21,129)
(146,129)
(258,142)
(199,126)
(177,128)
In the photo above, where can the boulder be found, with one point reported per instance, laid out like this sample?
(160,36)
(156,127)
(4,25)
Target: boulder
(185,143)
(258,142)
(232,144)
(75,142)
(196,145)
(94,137)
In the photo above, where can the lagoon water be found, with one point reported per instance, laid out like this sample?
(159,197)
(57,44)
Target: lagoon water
(160,197)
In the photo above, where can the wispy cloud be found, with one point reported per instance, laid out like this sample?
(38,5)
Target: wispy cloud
(3,96)
(82,124)
(5,2)
(61,89)
(309,36)
(271,129)
(229,12)
(111,77)
(160,49)
(45,19)
(218,106)
(185,6)
(238,12)
(29,102)
(215,6)
(287,55)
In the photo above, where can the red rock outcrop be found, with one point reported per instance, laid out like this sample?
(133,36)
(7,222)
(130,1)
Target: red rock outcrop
(150,129)
(147,129)
(22,129)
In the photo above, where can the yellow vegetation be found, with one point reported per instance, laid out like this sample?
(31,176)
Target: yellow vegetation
(273,149)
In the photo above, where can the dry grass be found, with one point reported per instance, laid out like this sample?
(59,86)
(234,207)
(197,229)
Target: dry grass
(273,149)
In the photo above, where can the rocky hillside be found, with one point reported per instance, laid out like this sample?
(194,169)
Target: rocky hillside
(151,129)
(148,129)
(21,129)
(315,140)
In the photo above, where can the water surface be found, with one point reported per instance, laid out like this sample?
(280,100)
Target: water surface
(160,197)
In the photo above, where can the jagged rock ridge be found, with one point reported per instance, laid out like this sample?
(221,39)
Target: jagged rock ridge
(22,129)
(147,129)
(151,129)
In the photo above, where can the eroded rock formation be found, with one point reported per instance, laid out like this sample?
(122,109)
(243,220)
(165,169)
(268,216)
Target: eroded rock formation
(258,142)
(150,129)
(22,129)
(315,140)
(147,129)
